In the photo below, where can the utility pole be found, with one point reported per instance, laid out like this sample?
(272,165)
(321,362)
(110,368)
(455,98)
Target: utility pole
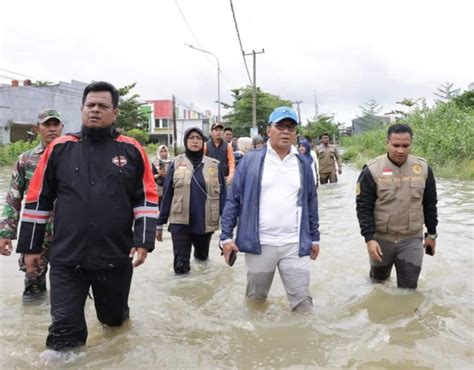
(218,80)
(175,144)
(298,102)
(316,108)
(254,95)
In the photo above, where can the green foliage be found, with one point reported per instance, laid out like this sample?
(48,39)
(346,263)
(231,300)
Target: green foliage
(444,135)
(9,153)
(41,83)
(323,124)
(367,145)
(140,135)
(465,100)
(240,118)
(130,116)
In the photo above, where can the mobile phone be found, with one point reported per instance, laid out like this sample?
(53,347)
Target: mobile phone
(428,249)
(232,257)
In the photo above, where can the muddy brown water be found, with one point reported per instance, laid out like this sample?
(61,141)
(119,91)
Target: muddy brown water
(204,321)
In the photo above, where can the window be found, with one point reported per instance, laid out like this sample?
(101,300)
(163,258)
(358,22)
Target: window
(164,123)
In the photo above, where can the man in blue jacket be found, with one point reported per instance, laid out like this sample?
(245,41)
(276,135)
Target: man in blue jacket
(273,202)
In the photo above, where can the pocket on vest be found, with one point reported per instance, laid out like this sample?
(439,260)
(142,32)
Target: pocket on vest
(415,223)
(177,204)
(214,207)
(381,222)
(417,188)
(386,191)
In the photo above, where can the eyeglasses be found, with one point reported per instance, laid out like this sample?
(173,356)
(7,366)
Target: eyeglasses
(197,137)
(281,126)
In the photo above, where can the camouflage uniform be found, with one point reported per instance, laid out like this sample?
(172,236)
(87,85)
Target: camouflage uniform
(35,282)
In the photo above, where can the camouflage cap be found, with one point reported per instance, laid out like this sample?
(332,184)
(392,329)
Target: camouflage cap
(48,113)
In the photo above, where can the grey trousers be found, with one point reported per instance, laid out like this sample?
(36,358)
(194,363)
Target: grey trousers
(406,255)
(293,269)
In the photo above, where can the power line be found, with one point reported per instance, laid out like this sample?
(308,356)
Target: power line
(240,42)
(187,23)
(15,73)
(190,29)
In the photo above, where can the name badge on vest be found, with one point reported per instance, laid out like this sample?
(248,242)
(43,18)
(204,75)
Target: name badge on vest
(387,171)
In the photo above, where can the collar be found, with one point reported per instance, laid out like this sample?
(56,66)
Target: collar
(97,134)
(39,149)
(272,151)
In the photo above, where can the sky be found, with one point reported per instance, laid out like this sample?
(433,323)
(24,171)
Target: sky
(344,52)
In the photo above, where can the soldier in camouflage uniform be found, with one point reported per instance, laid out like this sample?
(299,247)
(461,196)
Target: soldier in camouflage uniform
(49,127)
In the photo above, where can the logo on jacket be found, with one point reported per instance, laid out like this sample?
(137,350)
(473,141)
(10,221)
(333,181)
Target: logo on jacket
(119,160)
(416,168)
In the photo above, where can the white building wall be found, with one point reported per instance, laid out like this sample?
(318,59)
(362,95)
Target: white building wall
(21,104)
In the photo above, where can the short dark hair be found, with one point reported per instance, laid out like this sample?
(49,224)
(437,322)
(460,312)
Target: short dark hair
(228,129)
(399,128)
(102,86)
(325,134)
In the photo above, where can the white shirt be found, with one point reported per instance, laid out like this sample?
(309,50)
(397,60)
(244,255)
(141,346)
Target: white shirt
(280,217)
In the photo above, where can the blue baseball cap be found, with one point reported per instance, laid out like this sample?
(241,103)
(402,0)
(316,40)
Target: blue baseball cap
(281,113)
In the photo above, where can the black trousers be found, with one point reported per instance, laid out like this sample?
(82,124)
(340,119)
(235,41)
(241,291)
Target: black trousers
(182,243)
(69,291)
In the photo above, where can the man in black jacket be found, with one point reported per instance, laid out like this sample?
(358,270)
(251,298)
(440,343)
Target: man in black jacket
(396,196)
(105,214)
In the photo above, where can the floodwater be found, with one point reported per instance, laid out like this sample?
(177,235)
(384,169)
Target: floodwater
(204,321)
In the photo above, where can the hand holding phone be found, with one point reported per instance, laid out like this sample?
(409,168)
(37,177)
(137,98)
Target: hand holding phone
(428,249)
(232,257)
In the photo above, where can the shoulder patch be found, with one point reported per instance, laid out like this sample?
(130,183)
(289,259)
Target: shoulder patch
(358,189)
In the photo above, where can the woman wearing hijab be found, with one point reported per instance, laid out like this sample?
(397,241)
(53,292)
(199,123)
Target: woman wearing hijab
(160,167)
(305,149)
(193,199)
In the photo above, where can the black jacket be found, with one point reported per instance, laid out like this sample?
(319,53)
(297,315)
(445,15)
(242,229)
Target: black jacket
(106,200)
(365,203)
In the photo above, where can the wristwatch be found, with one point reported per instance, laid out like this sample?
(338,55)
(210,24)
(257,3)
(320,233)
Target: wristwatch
(433,236)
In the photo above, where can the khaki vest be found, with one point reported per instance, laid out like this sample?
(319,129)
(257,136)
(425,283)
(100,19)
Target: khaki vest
(182,177)
(398,209)
(327,157)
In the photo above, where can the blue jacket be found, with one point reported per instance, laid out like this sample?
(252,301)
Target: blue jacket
(243,204)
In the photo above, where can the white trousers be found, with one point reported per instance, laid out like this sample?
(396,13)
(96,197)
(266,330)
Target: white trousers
(293,269)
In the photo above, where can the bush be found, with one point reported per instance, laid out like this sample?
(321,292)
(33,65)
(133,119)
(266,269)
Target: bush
(9,153)
(444,135)
(139,135)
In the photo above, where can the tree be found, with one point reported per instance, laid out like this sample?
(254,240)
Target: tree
(446,92)
(130,116)
(465,100)
(323,124)
(370,110)
(41,83)
(240,118)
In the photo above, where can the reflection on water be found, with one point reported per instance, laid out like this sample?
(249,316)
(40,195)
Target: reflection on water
(203,320)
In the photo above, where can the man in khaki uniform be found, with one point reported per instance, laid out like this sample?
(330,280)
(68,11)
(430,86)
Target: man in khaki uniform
(396,195)
(328,156)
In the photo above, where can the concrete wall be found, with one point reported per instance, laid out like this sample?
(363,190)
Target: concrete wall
(21,104)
